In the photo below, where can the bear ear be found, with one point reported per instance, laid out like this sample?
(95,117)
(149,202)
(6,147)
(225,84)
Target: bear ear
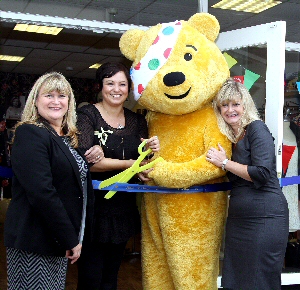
(130,41)
(206,24)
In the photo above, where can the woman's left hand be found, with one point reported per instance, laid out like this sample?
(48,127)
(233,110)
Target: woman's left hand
(216,156)
(143,176)
(153,143)
(94,154)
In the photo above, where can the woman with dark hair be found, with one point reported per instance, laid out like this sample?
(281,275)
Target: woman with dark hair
(119,132)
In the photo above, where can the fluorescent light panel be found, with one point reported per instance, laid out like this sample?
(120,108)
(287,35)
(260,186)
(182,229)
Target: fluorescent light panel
(253,6)
(38,29)
(96,65)
(11,58)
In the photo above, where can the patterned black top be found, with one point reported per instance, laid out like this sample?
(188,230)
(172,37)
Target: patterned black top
(116,219)
(83,169)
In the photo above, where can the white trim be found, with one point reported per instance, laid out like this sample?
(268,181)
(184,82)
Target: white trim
(271,35)
(286,279)
(64,22)
(290,278)
(292,46)
(203,6)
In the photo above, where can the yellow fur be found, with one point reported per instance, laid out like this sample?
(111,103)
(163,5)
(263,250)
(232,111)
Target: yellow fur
(181,233)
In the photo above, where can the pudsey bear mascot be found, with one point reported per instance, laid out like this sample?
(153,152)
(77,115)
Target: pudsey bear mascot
(177,70)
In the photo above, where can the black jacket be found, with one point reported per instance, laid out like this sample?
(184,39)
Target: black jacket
(44,215)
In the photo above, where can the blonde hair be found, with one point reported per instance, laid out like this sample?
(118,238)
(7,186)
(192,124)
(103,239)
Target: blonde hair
(233,91)
(53,81)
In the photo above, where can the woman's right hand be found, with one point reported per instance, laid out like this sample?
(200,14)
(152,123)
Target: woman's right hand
(74,253)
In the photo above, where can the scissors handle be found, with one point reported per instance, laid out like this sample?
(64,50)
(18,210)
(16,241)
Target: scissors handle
(141,146)
(150,164)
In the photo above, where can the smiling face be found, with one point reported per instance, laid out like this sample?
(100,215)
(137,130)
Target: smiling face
(192,75)
(232,112)
(52,106)
(115,89)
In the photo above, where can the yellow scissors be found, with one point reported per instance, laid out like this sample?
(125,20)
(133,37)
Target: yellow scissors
(127,174)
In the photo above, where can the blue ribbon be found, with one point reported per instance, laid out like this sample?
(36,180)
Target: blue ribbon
(157,189)
(6,172)
(289,180)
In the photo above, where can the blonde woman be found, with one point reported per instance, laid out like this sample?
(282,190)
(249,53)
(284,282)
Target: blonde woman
(51,191)
(257,223)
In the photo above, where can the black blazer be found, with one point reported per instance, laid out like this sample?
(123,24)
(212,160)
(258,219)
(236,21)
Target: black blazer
(44,215)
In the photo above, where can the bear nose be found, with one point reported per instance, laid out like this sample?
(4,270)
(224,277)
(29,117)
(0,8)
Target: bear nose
(174,79)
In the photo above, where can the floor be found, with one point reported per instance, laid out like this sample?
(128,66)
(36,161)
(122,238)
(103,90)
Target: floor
(130,276)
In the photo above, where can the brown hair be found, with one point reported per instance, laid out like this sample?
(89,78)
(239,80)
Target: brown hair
(109,69)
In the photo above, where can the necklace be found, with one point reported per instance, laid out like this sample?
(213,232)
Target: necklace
(120,126)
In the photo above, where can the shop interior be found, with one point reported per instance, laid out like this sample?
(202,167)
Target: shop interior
(90,35)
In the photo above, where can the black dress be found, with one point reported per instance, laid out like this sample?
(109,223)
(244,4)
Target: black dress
(257,223)
(115,219)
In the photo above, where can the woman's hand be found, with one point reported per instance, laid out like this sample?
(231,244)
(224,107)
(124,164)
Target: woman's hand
(216,156)
(143,176)
(94,154)
(152,143)
(74,254)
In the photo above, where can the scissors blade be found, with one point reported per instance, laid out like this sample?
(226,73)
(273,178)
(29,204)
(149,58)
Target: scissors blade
(128,175)
(113,179)
(135,166)
(110,194)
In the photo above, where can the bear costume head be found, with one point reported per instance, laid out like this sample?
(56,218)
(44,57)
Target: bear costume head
(177,68)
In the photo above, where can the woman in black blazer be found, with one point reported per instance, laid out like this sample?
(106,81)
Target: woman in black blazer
(52,195)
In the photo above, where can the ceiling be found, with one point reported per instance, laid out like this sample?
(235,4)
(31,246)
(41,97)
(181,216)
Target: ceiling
(72,51)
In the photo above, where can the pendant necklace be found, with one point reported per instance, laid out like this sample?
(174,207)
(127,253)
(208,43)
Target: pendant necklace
(120,126)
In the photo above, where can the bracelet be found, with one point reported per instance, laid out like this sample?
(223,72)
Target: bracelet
(224,164)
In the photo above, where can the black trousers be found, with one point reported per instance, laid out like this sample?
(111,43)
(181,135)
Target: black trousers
(98,266)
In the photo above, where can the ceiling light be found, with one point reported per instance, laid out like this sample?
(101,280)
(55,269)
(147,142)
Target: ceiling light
(38,29)
(253,6)
(11,58)
(96,65)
